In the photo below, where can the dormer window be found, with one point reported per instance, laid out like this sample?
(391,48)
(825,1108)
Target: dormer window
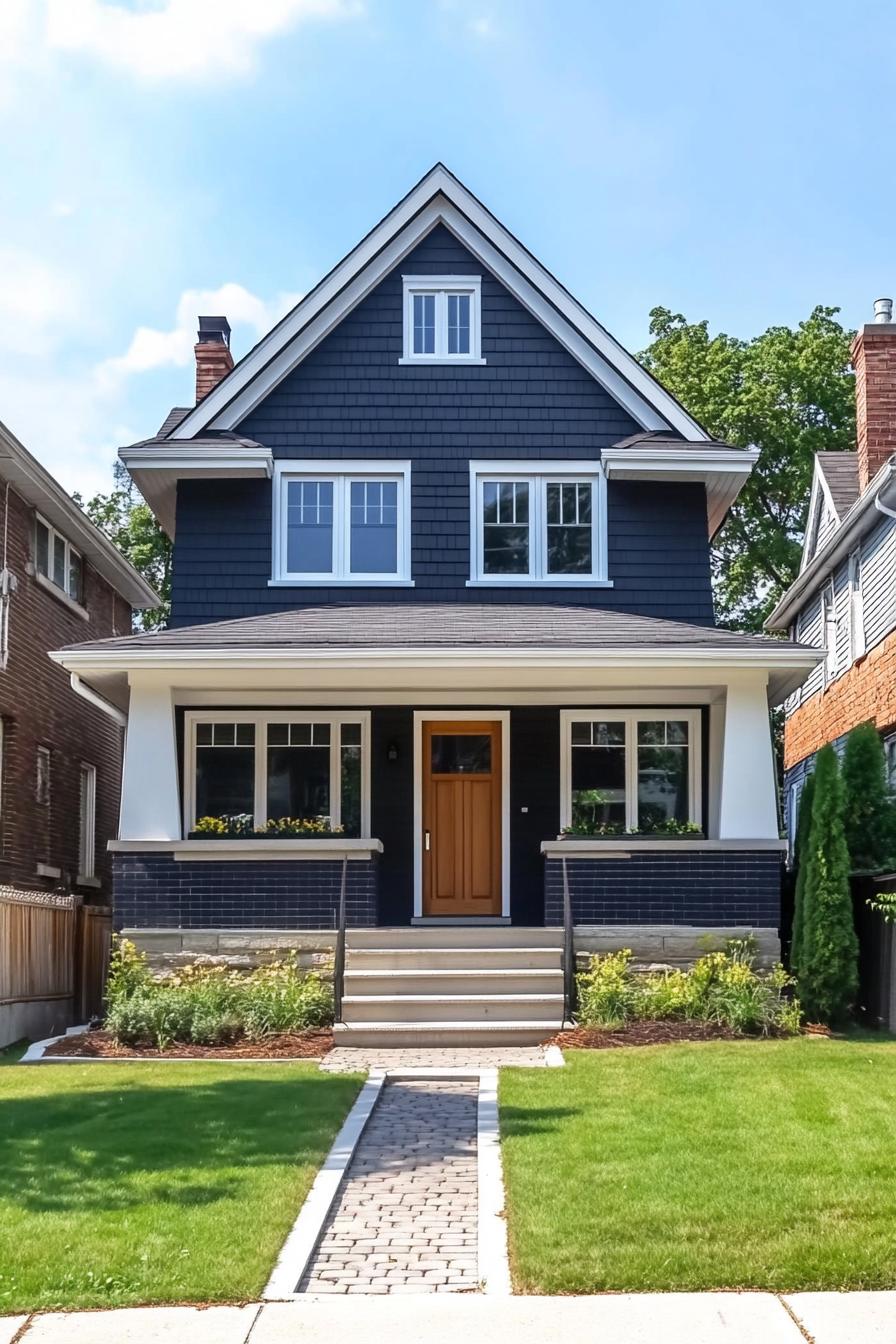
(56,560)
(442,319)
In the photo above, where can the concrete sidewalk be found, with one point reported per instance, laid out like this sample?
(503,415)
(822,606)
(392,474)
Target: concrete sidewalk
(667,1318)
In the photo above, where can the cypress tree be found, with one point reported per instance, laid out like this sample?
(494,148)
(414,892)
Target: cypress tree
(867,811)
(829,953)
(800,854)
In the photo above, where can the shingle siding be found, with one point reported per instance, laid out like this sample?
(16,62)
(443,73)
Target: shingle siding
(350,398)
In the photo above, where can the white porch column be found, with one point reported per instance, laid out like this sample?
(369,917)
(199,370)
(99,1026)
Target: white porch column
(150,809)
(747,802)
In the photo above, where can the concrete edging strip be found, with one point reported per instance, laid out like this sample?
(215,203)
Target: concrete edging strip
(494,1266)
(305,1233)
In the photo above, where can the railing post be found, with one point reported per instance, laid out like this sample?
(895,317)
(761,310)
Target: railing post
(339,959)
(569,952)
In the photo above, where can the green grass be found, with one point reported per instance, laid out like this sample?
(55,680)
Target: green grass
(122,1184)
(11,1054)
(744,1165)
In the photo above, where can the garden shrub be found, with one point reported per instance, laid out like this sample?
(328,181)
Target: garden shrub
(800,851)
(210,1005)
(722,987)
(868,813)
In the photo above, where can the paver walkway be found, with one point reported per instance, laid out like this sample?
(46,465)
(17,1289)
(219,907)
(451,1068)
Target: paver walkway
(352,1059)
(405,1218)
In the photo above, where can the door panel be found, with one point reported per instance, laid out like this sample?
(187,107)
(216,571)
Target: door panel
(462,818)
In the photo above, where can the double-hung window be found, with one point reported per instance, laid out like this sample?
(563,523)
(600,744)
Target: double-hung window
(87,823)
(309,766)
(830,630)
(344,524)
(856,607)
(442,319)
(56,560)
(630,770)
(538,526)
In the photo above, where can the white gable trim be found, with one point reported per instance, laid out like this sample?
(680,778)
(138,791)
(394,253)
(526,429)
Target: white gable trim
(438,198)
(819,495)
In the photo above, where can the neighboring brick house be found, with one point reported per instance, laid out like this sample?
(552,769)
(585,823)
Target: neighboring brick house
(844,599)
(60,754)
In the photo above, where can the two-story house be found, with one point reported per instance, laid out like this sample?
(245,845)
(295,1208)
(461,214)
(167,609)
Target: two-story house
(442,577)
(844,598)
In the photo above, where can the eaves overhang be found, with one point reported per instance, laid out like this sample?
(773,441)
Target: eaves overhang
(156,469)
(722,469)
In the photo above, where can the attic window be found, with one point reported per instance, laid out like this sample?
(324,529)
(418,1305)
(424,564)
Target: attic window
(442,319)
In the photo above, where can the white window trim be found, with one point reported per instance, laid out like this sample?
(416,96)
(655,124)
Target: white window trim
(631,718)
(86,824)
(442,286)
(47,580)
(261,719)
(537,474)
(856,606)
(341,474)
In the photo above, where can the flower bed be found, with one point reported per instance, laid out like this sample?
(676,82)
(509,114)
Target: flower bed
(208,1005)
(312,1044)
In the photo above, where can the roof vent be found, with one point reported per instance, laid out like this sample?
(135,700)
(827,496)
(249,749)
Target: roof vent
(883,310)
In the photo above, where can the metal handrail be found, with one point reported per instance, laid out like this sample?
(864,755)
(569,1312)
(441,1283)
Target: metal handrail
(339,958)
(569,952)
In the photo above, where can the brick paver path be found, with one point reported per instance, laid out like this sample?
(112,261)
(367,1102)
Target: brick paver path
(354,1059)
(405,1218)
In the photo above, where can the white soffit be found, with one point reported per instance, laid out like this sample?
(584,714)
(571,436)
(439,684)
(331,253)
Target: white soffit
(722,470)
(438,199)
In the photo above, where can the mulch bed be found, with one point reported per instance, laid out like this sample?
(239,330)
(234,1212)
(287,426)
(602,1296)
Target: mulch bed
(290,1045)
(642,1033)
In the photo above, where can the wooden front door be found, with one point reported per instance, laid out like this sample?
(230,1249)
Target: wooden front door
(461,818)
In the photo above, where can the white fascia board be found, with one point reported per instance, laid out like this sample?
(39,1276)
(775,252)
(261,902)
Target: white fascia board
(811,517)
(439,198)
(169,456)
(724,471)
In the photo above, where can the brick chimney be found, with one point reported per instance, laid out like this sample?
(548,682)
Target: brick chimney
(213,358)
(874,360)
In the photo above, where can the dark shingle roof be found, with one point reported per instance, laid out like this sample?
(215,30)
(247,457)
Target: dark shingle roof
(841,472)
(441,626)
(658,438)
(172,420)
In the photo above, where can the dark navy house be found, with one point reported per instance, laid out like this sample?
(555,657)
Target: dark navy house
(442,625)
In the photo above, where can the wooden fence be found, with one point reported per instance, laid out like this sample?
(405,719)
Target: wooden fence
(54,955)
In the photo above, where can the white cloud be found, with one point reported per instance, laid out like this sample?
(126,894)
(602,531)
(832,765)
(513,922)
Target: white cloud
(37,302)
(154,349)
(175,39)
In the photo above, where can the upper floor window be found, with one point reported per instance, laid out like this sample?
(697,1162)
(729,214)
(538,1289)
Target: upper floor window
(348,524)
(538,526)
(56,560)
(442,318)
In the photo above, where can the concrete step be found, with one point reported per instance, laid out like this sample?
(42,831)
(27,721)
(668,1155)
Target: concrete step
(423,1035)
(452,959)
(449,982)
(453,936)
(396,1008)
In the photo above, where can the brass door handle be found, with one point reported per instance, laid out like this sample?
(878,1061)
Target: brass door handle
(426,840)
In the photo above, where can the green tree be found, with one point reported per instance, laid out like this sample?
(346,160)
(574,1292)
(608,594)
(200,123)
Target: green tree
(129,522)
(789,392)
(828,958)
(867,811)
(800,852)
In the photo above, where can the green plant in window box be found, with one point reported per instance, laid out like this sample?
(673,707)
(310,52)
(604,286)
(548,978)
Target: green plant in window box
(280,828)
(670,827)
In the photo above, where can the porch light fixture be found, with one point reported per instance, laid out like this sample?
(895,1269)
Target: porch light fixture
(392,751)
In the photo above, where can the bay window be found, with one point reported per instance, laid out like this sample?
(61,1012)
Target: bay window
(538,523)
(310,766)
(630,770)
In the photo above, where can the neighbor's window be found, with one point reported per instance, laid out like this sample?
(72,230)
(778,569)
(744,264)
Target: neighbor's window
(57,560)
(42,777)
(630,770)
(442,318)
(344,526)
(268,767)
(87,823)
(544,527)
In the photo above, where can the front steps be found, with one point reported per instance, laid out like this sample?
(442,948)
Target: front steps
(451,986)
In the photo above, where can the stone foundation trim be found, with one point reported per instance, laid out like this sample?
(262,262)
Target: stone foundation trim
(228,851)
(672,944)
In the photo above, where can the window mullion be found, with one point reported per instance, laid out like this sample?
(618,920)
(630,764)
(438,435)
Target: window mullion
(537,524)
(441,317)
(341,527)
(631,759)
(261,773)
(335,782)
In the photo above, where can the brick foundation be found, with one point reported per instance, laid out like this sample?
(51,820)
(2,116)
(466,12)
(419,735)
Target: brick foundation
(866,691)
(721,888)
(157,891)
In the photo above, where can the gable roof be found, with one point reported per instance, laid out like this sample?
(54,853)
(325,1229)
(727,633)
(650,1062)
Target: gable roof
(439,198)
(34,484)
(835,488)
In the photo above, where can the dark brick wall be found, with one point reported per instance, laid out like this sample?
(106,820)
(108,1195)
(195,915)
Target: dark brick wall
(350,398)
(691,887)
(155,891)
(39,708)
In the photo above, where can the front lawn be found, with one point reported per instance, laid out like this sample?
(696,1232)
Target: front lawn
(122,1184)
(754,1164)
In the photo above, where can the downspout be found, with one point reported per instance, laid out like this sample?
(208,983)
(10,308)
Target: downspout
(98,701)
(7,585)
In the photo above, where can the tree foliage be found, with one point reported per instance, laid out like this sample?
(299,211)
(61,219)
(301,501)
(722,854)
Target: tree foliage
(800,853)
(129,523)
(868,811)
(789,392)
(828,974)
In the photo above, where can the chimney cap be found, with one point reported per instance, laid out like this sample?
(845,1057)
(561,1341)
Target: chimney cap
(214,329)
(883,310)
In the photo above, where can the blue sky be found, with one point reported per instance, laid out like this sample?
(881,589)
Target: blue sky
(730,161)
